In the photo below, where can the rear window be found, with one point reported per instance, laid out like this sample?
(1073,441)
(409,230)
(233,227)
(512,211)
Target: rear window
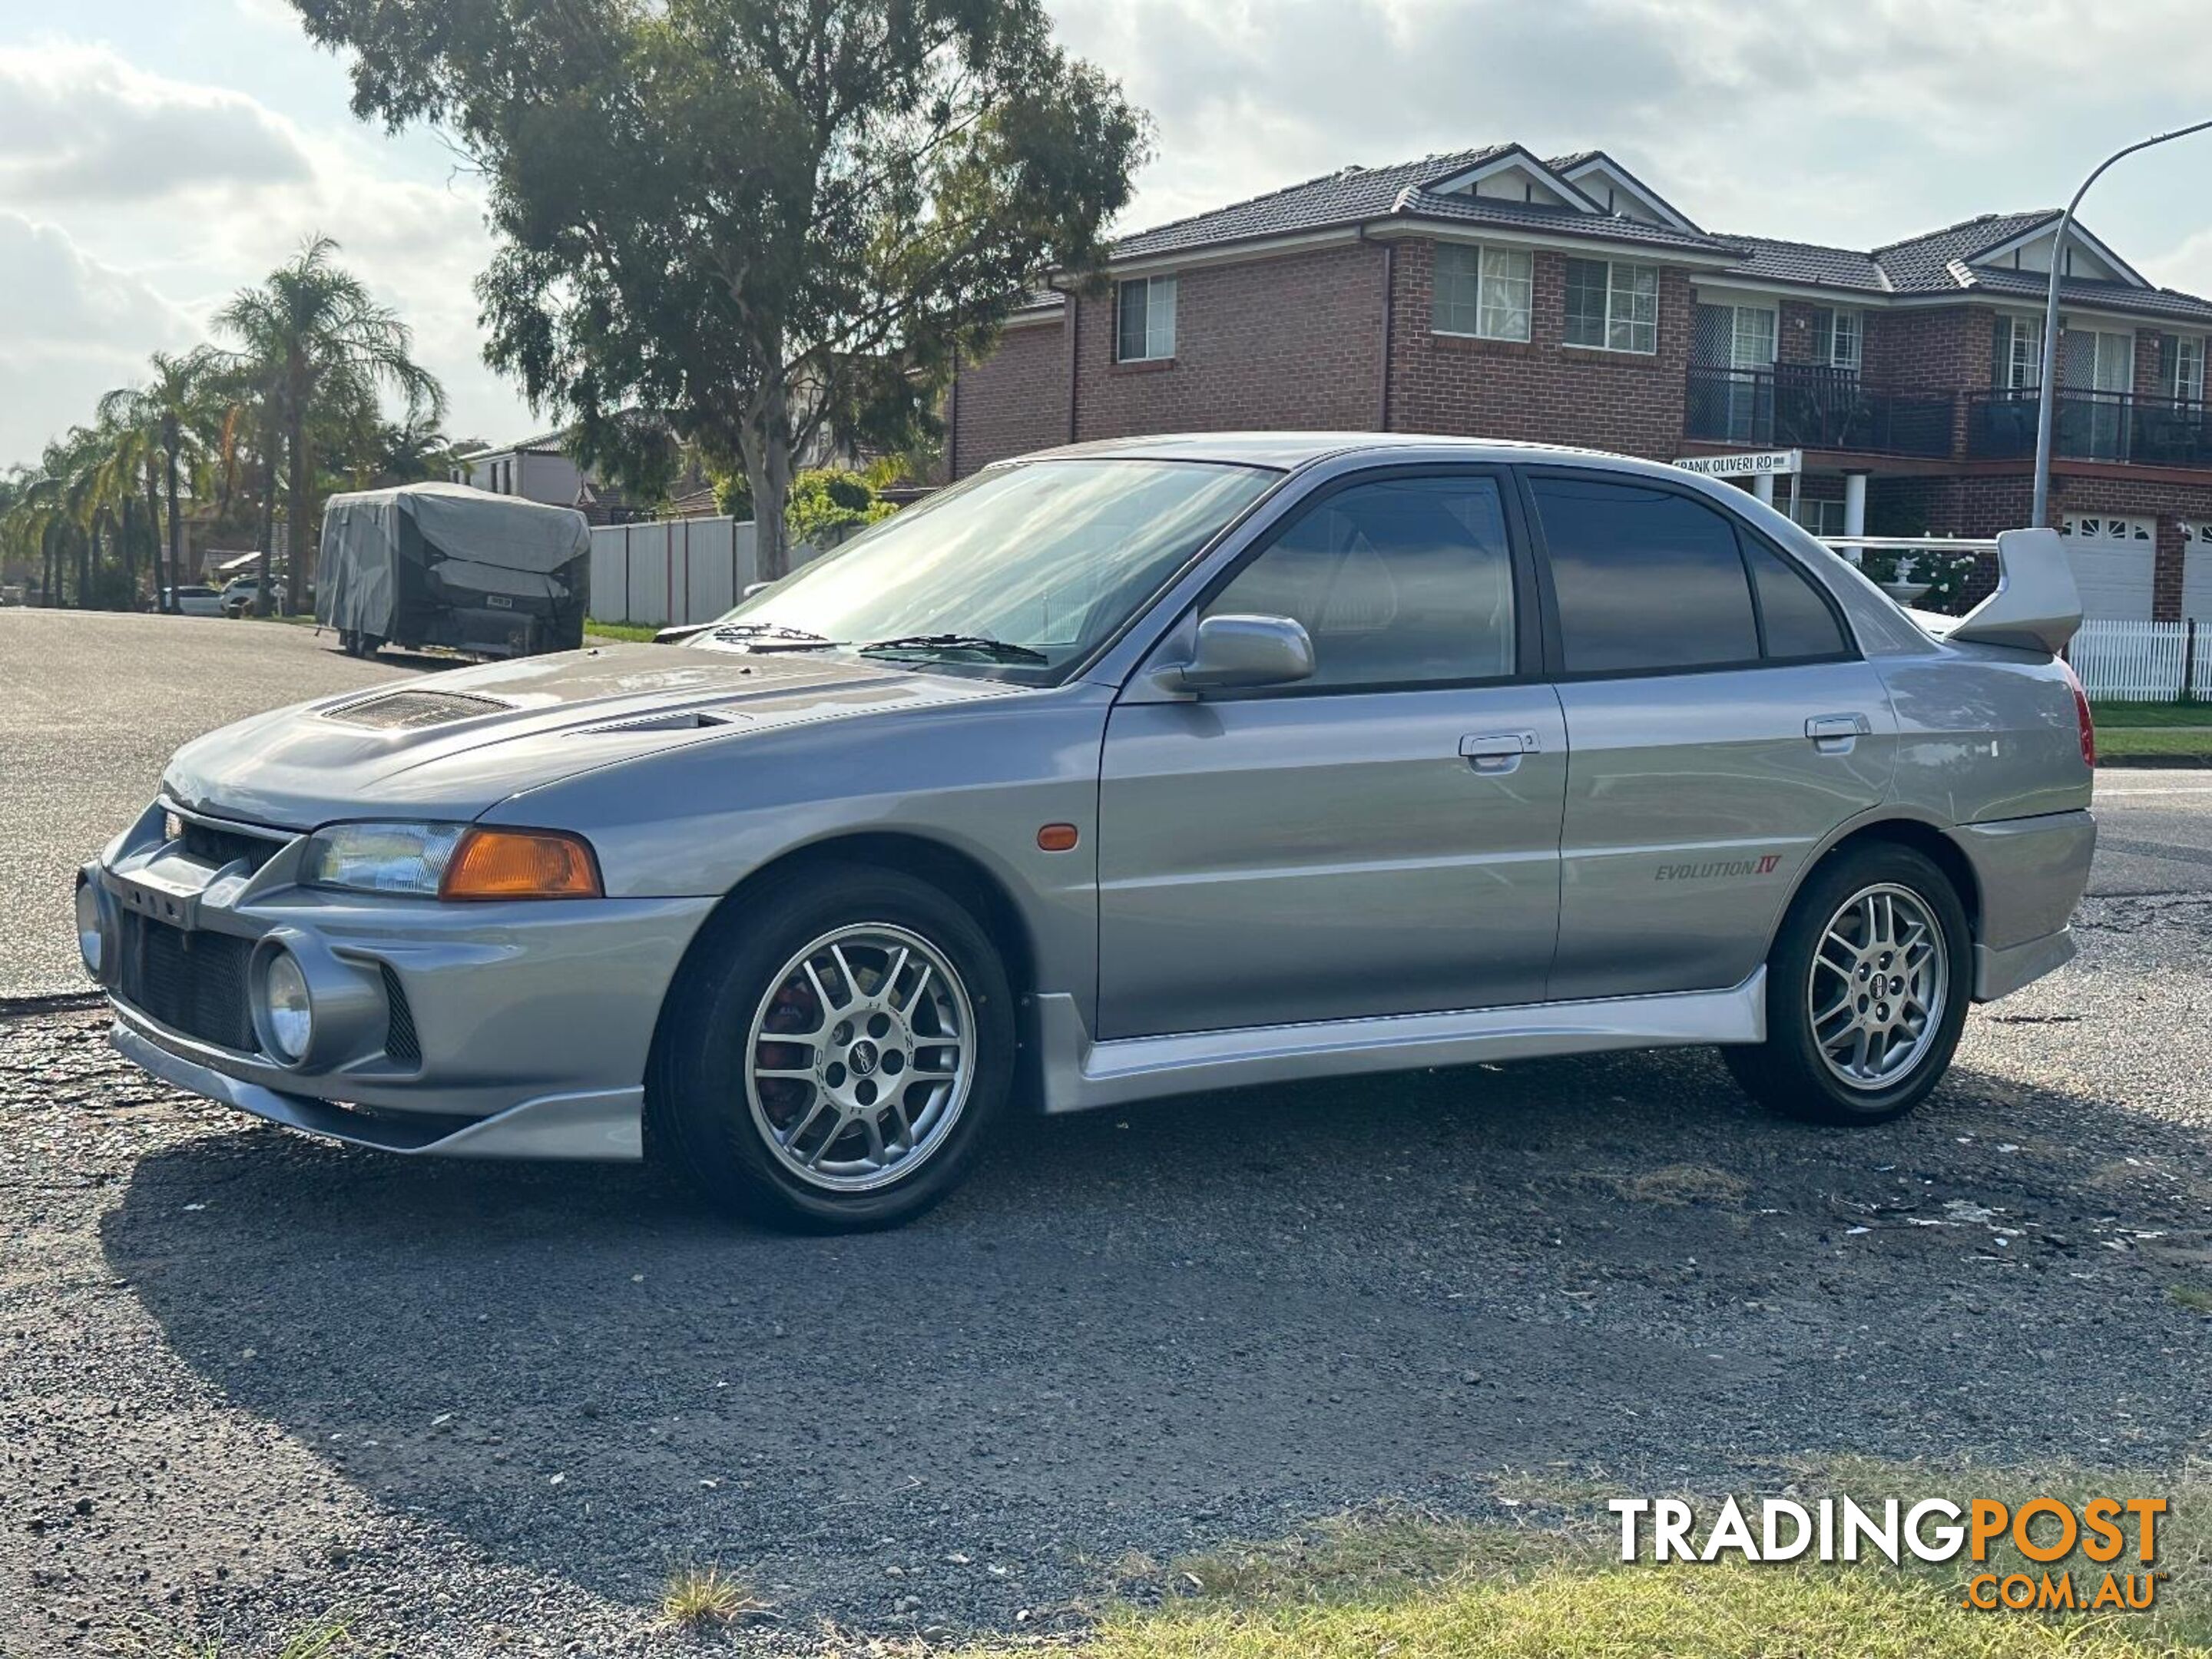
(1647,580)
(1799,623)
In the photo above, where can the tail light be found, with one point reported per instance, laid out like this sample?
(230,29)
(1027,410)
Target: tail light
(2081,716)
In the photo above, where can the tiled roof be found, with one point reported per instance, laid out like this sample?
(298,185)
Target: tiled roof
(544,441)
(1776,261)
(1335,198)
(1562,221)
(2081,291)
(1922,264)
(1937,263)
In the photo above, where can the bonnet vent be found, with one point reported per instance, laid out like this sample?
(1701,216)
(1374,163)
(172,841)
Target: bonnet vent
(410,711)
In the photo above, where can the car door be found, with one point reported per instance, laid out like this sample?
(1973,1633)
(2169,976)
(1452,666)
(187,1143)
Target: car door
(1380,839)
(1720,725)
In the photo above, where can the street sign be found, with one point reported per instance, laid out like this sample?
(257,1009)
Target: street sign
(1762,464)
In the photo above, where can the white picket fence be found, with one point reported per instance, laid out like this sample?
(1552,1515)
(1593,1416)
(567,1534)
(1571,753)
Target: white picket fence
(674,571)
(2141,661)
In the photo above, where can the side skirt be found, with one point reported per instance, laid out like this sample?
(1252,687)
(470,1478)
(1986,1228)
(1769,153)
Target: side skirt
(1079,1074)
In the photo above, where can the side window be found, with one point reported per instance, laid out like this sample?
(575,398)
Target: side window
(1796,619)
(1647,580)
(1401,582)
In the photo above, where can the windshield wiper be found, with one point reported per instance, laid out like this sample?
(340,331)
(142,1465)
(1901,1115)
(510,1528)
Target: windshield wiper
(979,645)
(773,636)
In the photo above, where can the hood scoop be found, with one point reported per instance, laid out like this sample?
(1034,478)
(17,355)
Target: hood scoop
(674,719)
(412,710)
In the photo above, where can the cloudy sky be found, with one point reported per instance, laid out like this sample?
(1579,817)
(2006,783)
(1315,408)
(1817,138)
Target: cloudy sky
(154,155)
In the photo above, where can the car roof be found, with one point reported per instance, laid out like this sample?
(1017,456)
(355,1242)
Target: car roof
(1288,450)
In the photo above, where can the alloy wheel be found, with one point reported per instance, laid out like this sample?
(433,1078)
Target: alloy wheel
(860,1057)
(1878,986)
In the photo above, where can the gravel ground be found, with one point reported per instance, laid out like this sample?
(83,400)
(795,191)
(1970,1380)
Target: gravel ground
(245,1378)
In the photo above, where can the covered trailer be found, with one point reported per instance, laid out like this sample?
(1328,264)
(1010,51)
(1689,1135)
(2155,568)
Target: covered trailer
(444,564)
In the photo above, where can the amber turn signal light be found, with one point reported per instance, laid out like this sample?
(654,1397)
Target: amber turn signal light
(513,864)
(1057,837)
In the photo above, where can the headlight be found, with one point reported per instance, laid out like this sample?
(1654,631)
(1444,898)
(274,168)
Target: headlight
(288,1013)
(380,858)
(89,939)
(451,861)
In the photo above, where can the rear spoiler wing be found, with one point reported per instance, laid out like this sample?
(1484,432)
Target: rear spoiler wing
(2036,606)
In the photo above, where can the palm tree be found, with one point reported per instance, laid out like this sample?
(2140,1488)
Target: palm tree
(35,525)
(176,420)
(313,342)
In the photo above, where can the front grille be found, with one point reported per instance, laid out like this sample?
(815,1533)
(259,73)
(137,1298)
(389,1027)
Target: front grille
(401,1045)
(193,982)
(218,847)
(410,711)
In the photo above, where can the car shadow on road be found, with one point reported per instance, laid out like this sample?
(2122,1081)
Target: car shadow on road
(1147,1328)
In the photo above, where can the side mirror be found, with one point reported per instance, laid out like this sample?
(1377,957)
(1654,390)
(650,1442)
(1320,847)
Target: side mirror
(1234,653)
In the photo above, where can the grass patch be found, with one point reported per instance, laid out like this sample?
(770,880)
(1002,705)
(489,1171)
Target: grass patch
(2194,1298)
(1397,1581)
(706,1598)
(2121,743)
(326,1639)
(2197,713)
(635,633)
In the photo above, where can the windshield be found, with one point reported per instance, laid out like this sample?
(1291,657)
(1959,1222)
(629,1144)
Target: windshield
(1022,570)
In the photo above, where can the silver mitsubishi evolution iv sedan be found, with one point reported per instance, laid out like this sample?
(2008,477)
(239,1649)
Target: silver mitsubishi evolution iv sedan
(1119,771)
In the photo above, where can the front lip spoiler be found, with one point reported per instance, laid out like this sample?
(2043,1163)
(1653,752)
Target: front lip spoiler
(606,1124)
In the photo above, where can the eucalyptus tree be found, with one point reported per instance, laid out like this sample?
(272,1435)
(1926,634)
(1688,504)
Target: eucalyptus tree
(738,220)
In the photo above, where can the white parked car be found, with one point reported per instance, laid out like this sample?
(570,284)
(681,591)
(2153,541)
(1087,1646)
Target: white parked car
(198,601)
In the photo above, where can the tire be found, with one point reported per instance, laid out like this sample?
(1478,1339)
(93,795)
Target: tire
(817,1148)
(1823,1072)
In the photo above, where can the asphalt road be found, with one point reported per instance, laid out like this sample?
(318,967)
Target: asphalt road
(92,704)
(247,1378)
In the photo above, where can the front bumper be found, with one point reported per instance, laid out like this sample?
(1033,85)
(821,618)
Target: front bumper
(515,1029)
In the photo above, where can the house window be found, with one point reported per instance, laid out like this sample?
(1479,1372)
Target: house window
(1836,338)
(2020,352)
(1146,313)
(2185,366)
(1613,306)
(1483,291)
(1822,517)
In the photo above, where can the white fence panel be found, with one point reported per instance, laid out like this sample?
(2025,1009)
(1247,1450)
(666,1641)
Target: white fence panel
(674,571)
(2132,661)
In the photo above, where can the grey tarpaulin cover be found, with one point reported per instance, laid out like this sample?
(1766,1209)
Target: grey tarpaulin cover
(381,546)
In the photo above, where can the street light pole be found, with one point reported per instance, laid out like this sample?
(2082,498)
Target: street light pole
(2046,395)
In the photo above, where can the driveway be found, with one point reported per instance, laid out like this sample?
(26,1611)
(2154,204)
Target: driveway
(245,1377)
(92,704)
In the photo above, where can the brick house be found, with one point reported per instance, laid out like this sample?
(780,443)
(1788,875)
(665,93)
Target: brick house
(1563,301)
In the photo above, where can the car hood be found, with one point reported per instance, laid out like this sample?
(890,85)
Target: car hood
(450,745)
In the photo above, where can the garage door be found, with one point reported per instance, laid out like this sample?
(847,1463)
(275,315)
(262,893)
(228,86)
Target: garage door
(2196,569)
(2112,558)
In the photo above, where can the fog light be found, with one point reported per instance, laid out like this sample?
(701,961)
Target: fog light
(90,940)
(287,1012)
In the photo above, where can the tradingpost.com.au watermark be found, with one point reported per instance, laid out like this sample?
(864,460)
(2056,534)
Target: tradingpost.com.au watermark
(2118,1537)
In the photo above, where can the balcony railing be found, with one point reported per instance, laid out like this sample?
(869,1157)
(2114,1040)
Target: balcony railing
(1801,407)
(2092,426)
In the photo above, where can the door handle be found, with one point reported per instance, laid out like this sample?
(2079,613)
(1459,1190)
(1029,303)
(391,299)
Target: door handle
(1836,732)
(1494,752)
